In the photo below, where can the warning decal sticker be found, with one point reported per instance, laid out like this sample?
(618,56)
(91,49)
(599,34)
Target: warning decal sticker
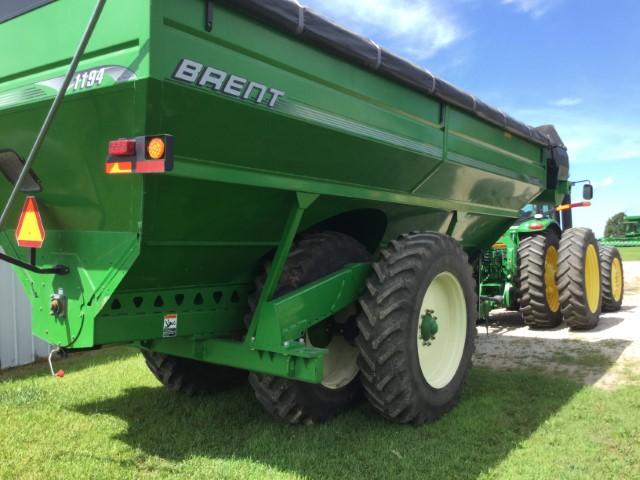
(170,328)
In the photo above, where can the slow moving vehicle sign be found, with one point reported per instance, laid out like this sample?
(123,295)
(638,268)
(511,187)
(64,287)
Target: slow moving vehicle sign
(30,232)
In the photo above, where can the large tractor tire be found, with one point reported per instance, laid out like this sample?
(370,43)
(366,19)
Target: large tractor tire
(312,257)
(612,279)
(417,328)
(182,375)
(579,279)
(537,267)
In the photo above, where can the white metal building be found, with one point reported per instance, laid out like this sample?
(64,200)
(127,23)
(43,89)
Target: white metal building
(17,345)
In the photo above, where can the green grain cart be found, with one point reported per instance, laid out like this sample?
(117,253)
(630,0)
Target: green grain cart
(235,186)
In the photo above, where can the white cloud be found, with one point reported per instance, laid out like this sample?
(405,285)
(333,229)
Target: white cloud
(417,29)
(607,182)
(568,102)
(535,8)
(589,138)
(594,142)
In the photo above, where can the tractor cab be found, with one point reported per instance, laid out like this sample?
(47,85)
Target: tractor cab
(632,226)
(535,217)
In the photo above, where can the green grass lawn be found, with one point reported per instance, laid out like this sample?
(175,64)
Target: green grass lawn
(108,418)
(630,254)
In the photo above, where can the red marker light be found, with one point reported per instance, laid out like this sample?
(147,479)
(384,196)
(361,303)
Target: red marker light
(148,154)
(536,226)
(122,148)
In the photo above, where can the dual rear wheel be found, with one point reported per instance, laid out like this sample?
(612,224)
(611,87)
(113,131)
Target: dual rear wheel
(572,278)
(612,278)
(537,269)
(408,348)
(417,328)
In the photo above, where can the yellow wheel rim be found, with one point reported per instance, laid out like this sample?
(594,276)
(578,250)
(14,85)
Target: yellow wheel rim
(550,286)
(592,278)
(616,279)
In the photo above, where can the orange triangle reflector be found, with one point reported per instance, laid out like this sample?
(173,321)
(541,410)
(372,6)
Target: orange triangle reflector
(30,232)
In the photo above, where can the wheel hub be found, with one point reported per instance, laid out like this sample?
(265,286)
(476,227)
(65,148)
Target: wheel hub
(440,359)
(428,327)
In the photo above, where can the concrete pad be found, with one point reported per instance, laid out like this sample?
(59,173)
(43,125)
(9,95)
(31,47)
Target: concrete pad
(607,356)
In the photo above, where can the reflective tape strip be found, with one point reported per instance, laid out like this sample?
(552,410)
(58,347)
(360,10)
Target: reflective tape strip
(115,168)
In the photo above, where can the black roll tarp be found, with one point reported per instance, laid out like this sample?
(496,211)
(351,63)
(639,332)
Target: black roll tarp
(296,19)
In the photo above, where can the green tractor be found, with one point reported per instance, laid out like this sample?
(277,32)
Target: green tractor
(547,270)
(630,237)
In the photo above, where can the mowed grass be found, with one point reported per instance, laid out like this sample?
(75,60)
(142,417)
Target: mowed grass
(108,418)
(630,254)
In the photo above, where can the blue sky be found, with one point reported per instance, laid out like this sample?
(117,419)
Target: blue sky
(573,63)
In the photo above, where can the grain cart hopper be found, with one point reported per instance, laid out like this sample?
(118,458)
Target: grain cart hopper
(528,269)
(631,235)
(245,186)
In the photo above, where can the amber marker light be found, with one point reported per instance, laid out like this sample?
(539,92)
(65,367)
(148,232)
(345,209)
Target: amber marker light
(156,148)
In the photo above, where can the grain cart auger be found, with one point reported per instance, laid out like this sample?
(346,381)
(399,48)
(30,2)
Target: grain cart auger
(238,186)
(546,269)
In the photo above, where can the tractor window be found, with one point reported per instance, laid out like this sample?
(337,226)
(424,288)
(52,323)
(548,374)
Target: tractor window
(11,9)
(547,210)
(527,211)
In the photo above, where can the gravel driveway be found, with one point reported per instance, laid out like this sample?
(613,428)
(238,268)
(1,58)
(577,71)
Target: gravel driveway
(606,357)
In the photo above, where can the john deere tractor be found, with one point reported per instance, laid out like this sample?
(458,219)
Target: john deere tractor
(547,270)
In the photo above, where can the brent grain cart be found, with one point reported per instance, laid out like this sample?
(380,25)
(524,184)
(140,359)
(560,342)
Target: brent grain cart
(245,186)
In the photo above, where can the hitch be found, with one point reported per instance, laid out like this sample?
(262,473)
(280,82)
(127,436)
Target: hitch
(57,270)
(485,306)
(496,299)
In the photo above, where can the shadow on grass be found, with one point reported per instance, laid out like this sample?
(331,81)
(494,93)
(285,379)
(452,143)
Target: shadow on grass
(497,412)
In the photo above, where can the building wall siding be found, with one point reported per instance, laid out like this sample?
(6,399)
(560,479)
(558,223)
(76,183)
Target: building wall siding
(17,345)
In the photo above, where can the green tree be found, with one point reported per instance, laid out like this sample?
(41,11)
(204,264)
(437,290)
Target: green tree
(615,227)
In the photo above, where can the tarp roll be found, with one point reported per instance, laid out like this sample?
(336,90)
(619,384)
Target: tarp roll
(314,29)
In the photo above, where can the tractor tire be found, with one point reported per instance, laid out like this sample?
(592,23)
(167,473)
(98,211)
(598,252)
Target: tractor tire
(312,257)
(182,375)
(579,279)
(612,279)
(537,267)
(411,374)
